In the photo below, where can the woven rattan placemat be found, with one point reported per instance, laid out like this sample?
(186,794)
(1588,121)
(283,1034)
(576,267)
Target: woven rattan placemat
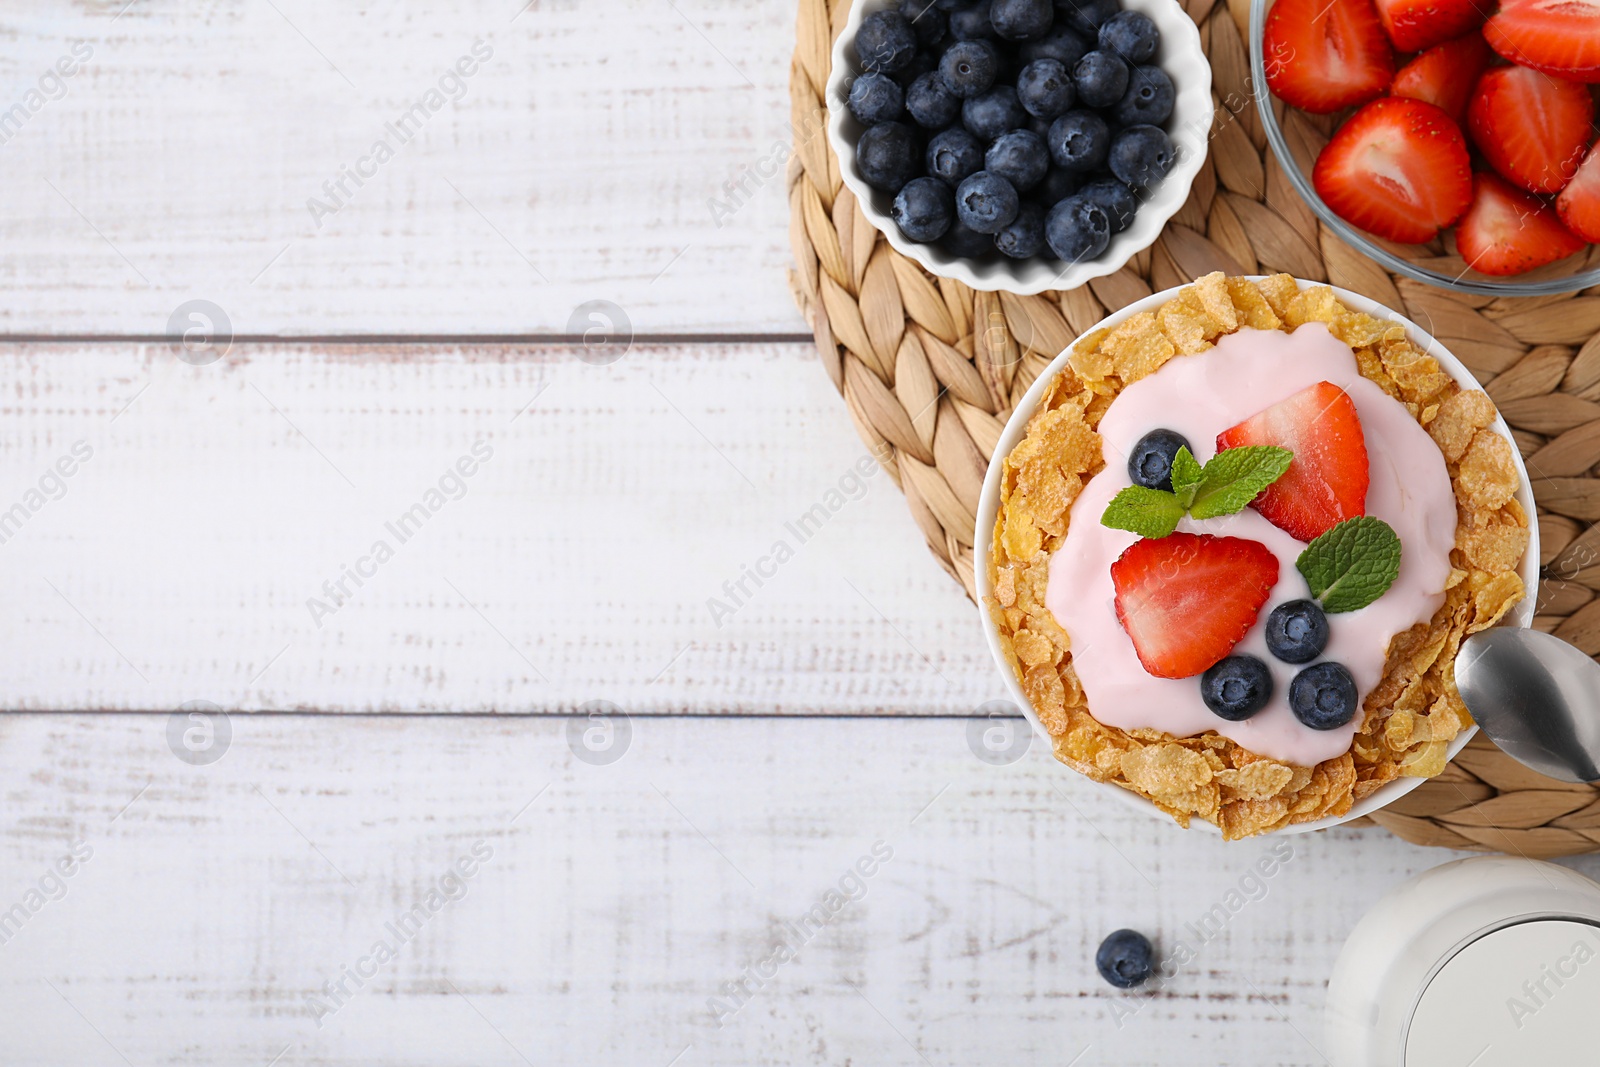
(930,370)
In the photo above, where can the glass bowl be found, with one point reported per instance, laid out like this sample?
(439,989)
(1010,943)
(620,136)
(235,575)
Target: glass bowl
(1296,137)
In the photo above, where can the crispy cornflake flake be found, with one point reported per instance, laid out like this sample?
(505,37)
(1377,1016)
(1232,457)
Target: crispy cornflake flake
(1458,421)
(1250,306)
(1413,712)
(1488,474)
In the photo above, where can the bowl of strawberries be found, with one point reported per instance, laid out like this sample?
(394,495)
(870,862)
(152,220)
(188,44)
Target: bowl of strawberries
(1450,141)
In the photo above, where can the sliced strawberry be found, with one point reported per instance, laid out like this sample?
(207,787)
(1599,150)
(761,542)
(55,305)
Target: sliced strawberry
(1326,482)
(1579,202)
(1187,599)
(1397,168)
(1507,231)
(1445,74)
(1322,56)
(1560,37)
(1532,128)
(1417,24)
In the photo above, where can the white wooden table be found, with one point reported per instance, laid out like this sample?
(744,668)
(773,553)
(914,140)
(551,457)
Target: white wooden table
(415,732)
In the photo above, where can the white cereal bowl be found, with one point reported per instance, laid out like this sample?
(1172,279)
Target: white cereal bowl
(1181,56)
(1016,428)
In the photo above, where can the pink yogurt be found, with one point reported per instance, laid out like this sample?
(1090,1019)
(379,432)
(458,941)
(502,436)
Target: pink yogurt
(1199,397)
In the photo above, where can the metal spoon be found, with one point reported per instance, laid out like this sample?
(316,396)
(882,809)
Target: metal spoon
(1537,697)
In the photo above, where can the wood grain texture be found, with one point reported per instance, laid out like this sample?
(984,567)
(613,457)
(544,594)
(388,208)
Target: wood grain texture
(580,562)
(619,898)
(580,161)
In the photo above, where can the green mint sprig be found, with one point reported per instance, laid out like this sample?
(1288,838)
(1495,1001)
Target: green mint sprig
(1226,484)
(1352,564)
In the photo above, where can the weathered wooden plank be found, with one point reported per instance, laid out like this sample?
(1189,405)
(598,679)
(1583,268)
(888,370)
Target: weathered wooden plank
(634,156)
(685,529)
(616,900)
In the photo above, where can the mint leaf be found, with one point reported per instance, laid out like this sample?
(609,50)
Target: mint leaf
(1186,472)
(1147,512)
(1352,564)
(1234,477)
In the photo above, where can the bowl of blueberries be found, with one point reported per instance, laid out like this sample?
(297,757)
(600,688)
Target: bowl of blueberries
(1019,145)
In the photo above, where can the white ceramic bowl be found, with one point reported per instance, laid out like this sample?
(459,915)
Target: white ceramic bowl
(1189,127)
(1016,427)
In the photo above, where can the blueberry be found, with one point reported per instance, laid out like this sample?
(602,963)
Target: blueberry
(1297,631)
(990,114)
(1058,184)
(931,103)
(1038,126)
(1020,158)
(875,98)
(1086,16)
(885,42)
(1079,140)
(1131,35)
(920,64)
(962,240)
(1100,78)
(1149,99)
(1236,688)
(1150,462)
(1077,229)
(1323,696)
(887,155)
(926,20)
(1141,156)
(1044,88)
(1117,200)
(969,67)
(1061,44)
(972,23)
(1126,959)
(924,209)
(953,155)
(986,202)
(1021,20)
(1025,236)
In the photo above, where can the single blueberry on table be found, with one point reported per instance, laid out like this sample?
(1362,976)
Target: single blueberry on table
(924,209)
(962,240)
(990,114)
(885,42)
(1149,99)
(926,20)
(930,102)
(972,23)
(1020,158)
(1058,184)
(1044,88)
(1025,236)
(1061,44)
(1021,20)
(1100,78)
(1116,199)
(953,155)
(1131,35)
(986,202)
(887,155)
(1141,156)
(875,98)
(1126,959)
(1236,687)
(969,67)
(1086,16)
(1297,631)
(1323,696)
(1150,462)
(1077,229)
(1079,140)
